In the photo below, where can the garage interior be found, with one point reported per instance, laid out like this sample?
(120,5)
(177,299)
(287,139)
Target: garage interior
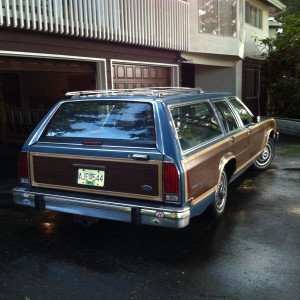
(29,87)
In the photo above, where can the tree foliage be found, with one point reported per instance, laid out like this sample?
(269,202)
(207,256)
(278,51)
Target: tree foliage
(283,58)
(292,7)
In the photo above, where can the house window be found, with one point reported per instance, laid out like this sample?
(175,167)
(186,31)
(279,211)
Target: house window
(217,17)
(253,15)
(253,86)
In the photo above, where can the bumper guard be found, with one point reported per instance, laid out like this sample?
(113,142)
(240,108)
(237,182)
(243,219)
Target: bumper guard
(157,215)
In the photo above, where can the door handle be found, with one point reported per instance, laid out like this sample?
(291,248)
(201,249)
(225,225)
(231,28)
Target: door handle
(86,166)
(140,157)
(232,139)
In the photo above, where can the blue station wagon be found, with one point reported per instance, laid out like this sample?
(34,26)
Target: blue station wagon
(155,156)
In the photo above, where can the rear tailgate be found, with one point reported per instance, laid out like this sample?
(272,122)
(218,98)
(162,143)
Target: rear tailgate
(100,146)
(126,173)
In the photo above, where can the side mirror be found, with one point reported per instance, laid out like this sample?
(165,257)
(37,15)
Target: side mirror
(256,119)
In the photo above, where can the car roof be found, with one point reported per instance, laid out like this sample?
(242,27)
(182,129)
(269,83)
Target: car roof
(168,95)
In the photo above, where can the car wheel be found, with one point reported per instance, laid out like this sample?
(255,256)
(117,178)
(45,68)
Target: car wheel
(266,157)
(218,206)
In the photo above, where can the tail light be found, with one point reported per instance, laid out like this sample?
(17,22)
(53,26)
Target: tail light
(23,167)
(171,182)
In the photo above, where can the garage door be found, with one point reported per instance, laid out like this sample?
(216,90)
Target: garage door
(137,76)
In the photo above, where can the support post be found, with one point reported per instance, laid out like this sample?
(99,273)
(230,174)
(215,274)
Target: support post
(2,111)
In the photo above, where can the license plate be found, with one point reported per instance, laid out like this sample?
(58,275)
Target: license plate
(91,177)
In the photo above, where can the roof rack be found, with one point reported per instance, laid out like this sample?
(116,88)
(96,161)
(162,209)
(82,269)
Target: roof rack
(160,92)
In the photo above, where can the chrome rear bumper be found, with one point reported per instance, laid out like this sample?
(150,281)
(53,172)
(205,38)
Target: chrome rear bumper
(158,215)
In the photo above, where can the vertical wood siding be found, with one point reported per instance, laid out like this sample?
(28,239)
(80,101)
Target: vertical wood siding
(155,23)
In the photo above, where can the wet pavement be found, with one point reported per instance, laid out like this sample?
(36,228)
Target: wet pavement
(253,252)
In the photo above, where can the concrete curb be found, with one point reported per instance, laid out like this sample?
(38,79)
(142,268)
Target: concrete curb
(291,127)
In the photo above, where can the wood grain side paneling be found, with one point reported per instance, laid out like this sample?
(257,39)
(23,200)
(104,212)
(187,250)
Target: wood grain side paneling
(203,169)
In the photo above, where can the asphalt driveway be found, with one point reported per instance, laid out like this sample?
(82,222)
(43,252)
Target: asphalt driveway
(253,252)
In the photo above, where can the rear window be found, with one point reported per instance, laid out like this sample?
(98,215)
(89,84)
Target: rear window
(114,120)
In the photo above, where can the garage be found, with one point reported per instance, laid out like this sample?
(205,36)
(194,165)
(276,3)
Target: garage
(29,86)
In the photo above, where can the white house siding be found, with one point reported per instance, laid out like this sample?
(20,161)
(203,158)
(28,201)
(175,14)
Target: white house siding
(217,58)
(212,78)
(209,43)
(220,78)
(245,44)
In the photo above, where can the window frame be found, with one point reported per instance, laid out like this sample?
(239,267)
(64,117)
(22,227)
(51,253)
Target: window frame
(253,79)
(218,24)
(258,15)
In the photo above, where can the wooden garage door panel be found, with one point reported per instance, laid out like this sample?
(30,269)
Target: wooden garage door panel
(136,76)
(145,71)
(119,72)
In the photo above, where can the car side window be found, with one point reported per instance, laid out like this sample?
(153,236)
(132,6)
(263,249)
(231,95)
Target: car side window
(195,124)
(226,115)
(244,113)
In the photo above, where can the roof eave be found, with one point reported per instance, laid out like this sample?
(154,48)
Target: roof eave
(276,4)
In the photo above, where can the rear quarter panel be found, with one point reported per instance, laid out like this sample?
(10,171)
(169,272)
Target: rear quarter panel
(203,168)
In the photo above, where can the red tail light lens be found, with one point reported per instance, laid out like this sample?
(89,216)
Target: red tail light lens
(23,167)
(171,179)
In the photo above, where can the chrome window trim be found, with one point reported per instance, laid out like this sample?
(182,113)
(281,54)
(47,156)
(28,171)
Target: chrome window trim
(202,145)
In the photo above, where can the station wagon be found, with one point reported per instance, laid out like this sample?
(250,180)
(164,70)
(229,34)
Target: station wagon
(155,156)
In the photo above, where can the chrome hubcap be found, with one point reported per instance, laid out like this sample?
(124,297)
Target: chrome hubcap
(221,193)
(265,156)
